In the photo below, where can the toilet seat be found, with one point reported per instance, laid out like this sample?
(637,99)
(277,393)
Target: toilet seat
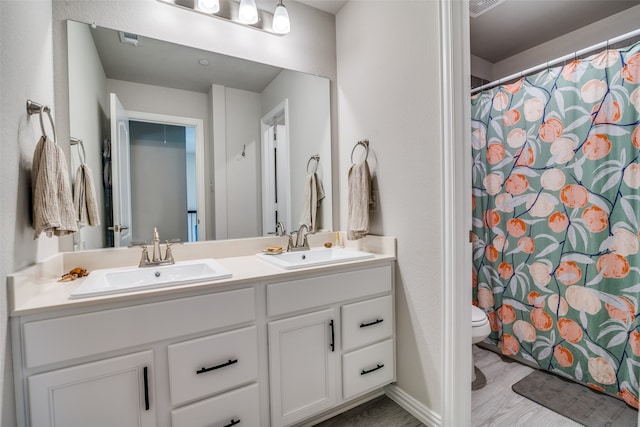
(478,317)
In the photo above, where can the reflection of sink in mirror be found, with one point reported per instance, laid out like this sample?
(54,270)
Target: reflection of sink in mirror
(127,279)
(313,257)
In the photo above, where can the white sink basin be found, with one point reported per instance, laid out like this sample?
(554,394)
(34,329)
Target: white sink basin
(116,280)
(313,257)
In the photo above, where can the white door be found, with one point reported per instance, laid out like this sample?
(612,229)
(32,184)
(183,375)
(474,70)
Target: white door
(111,392)
(121,188)
(302,366)
(275,179)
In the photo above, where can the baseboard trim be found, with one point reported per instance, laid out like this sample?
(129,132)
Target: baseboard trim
(411,405)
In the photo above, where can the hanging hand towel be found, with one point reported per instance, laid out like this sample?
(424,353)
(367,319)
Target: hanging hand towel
(359,182)
(313,195)
(53,211)
(84,198)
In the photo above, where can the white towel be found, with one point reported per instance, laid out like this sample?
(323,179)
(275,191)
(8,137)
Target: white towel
(359,199)
(53,211)
(313,195)
(84,198)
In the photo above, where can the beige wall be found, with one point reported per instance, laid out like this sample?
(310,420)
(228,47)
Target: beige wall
(26,72)
(392,99)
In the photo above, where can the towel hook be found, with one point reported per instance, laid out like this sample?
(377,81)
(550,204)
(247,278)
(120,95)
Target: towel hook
(35,108)
(365,144)
(315,157)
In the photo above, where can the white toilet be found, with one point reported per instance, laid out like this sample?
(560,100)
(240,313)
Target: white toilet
(480,329)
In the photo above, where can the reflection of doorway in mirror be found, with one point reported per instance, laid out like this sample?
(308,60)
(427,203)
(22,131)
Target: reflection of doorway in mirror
(163,181)
(276,187)
(164,166)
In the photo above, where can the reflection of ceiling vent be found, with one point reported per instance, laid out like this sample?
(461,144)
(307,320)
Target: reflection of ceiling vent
(478,7)
(129,38)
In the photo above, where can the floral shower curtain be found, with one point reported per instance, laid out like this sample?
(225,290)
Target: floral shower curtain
(556,215)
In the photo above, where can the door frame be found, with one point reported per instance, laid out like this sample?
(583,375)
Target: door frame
(267,121)
(198,124)
(455,140)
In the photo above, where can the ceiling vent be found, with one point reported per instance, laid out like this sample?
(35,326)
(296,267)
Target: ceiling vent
(129,38)
(478,7)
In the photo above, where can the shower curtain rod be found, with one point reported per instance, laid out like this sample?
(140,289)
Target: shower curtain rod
(556,61)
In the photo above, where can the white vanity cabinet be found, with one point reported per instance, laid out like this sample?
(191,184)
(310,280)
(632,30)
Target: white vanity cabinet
(110,392)
(136,365)
(302,365)
(330,340)
(271,350)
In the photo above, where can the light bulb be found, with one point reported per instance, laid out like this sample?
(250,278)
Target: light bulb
(209,6)
(248,13)
(281,24)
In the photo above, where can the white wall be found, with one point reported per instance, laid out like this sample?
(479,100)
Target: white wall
(26,71)
(388,92)
(89,108)
(309,134)
(582,38)
(243,208)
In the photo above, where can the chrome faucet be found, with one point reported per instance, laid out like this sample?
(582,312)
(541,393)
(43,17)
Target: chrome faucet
(280,230)
(300,234)
(156,258)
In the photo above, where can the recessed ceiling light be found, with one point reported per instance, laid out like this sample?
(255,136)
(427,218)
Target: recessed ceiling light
(203,62)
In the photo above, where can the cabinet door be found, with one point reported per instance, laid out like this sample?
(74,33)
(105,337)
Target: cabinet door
(302,366)
(111,392)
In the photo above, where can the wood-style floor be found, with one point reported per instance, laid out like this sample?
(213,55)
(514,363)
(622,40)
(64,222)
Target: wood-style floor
(378,412)
(496,405)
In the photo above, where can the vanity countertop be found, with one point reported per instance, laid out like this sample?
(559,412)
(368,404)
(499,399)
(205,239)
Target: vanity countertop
(36,288)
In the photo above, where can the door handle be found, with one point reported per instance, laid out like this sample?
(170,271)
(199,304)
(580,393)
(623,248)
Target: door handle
(118,228)
(333,338)
(145,378)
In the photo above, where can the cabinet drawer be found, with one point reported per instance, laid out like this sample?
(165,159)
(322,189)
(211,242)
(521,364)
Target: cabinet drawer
(208,365)
(366,322)
(236,408)
(288,297)
(367,368)
(70,337)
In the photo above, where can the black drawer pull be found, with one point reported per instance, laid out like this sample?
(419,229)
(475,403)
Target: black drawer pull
(232,423)
(333,337)
(213,368)
(375,322)
(380,366)
(145,377)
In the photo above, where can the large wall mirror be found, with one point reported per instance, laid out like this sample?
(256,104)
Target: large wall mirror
(200,145)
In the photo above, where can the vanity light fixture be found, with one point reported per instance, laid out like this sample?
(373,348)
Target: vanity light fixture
(209,6)
(281,24)
(242,12)
(248,12)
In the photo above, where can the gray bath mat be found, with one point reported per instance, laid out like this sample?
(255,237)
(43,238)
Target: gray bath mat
(575,401)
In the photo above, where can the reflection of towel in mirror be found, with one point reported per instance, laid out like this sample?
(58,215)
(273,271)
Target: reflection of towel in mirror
(53,211)
(84,198)
(359,199)
(313,195)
